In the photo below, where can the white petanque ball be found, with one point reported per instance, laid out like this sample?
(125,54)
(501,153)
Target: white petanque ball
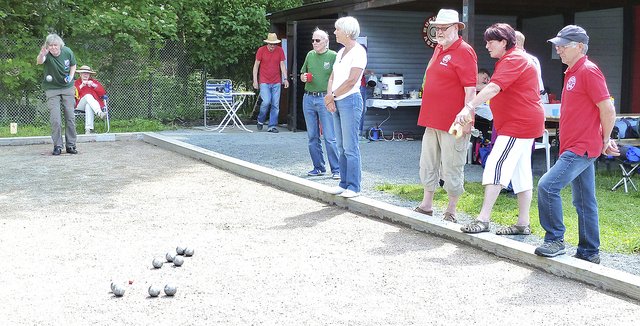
(118,290)
(178,261)
(169,256)
(49,78)
(157,263)
(180,250)
(170,289)
(154,291)
(188,251)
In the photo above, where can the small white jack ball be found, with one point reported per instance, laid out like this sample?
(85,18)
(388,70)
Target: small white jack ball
(49,78)
(180,250)
(154,291)
(169,256)
(170,289)
(178,261)
(157,263)
(118,290)
(188,251)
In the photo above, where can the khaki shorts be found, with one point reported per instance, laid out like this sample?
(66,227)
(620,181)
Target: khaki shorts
(443,157)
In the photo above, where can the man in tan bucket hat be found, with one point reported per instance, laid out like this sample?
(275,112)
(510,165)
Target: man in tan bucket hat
(272,72)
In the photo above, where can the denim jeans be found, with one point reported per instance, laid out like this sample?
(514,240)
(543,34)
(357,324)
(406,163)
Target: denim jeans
(363,93)
(270,94)
(580,172)
(315,111)
(347,122)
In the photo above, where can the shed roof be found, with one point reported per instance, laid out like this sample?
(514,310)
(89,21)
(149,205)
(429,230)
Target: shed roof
(520,8)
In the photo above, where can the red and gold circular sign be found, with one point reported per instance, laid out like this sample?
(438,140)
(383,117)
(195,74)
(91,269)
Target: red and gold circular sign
(429,32)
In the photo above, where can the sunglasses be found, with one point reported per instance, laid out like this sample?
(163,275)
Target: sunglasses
(316,40)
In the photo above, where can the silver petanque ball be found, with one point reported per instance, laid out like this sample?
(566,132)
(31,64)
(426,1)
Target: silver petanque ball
(188,251)
(157,263)
(118,290)
(154,291)
(49,78)
(169,256)
(113,284)
(178,261)
(170,289)
(180,250)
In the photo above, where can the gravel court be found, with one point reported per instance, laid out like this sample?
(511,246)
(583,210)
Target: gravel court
(262,255)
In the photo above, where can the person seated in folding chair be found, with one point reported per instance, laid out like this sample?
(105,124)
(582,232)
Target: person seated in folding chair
(89,97)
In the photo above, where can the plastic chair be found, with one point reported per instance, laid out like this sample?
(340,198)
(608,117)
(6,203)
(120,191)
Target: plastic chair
(544,144)
(105,109)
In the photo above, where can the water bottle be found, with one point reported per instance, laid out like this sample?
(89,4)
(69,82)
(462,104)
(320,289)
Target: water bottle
(227,86)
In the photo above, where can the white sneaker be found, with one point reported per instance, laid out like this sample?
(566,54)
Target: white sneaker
(336,190)
(349,194)
(87,131)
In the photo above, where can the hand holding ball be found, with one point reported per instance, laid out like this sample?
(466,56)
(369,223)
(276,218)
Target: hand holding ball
(456,130)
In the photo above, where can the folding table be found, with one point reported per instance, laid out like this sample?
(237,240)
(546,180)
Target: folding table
(229,101)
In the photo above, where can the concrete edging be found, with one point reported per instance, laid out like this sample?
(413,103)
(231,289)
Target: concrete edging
(566,266)
(39,140)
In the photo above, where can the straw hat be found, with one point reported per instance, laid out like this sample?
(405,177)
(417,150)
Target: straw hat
(272,38)
(448,16)
(85,68)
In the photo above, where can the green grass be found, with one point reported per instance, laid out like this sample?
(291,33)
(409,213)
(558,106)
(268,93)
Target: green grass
(619,212)
(133,125)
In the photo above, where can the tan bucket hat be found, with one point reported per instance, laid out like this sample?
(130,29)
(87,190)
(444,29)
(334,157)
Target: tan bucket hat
(272,38)
(85,68)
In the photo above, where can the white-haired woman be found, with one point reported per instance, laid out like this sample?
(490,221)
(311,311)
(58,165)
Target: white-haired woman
(89,97)
(59,68)
(344,100)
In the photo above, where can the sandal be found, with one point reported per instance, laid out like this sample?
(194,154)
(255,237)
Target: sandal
(514,230)
(422,211)
(476,226)
(449,217)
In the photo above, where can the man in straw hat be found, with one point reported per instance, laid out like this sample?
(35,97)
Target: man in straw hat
(270,67)
(586,120)
(89,93)
(449,83)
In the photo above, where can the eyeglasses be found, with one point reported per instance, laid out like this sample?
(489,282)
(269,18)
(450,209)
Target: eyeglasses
(316,40)
(442,29)
(568,45)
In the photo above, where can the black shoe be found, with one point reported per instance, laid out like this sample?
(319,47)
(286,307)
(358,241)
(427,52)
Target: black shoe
(72,150)
(57,150)
(259,126)
(595,258)
(273,130)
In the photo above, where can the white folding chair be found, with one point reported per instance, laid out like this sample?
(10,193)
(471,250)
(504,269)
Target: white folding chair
(544,144)
(215,97)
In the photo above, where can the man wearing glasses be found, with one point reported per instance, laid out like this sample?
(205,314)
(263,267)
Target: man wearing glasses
(449,83)
(270,64)
(315,73)
(586,120)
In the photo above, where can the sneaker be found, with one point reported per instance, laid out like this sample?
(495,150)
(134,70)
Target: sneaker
(259,126)
(349,194)
(273,130)
(71,150)
(551,249)
(315,173)
(335,176)
(57,150)
(336,190)
(595,258)
(88,131)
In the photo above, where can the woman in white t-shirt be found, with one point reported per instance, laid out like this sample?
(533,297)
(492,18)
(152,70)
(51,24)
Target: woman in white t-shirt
(345,101)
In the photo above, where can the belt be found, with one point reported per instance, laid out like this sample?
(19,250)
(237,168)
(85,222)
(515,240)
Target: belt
(316,93)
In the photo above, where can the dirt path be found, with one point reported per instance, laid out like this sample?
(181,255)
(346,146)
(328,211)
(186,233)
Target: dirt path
(70,224)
